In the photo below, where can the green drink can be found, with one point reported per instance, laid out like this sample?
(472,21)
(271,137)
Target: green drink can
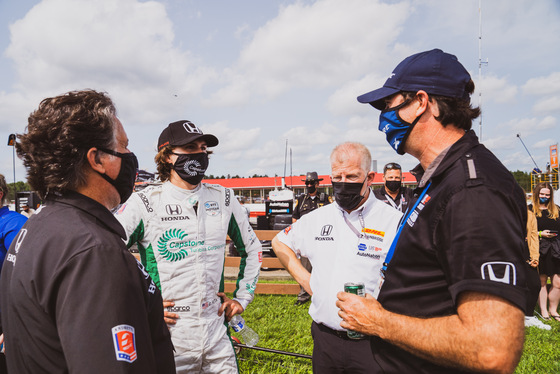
(356,289)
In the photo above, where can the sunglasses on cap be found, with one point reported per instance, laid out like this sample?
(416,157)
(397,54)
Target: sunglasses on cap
(392,166)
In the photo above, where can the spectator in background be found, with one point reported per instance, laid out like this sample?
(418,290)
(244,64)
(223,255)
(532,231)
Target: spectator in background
(242,202)
(10,221)
(27,211)
(306,203)
(73,299)
(533,282)
(548,221)
(393,192)
(10,224)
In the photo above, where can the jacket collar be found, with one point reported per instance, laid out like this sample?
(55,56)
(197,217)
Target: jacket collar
(91,207)
(445,159)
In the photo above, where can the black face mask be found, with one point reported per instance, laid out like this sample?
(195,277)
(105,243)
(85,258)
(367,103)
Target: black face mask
(191,167)
(311,188)
(393,186)
(124,183)
(347,194)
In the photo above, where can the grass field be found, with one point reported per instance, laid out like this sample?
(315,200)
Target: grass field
(283,326)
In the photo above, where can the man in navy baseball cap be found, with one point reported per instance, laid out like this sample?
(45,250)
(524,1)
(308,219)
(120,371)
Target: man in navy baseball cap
(436,72)
(454,289)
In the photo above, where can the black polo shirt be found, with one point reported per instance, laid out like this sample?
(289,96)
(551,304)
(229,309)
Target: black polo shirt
(73,299)
(402,200)
(467,234)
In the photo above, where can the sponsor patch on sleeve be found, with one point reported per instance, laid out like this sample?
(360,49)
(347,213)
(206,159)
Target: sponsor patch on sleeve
(287,229)
(124,340)
(121,209)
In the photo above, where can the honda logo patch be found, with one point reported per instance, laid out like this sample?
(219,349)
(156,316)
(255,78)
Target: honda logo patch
(498,271)
(326,230)
(191,128)
(173,209)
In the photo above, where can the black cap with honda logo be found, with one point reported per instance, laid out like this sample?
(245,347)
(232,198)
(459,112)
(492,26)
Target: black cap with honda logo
(183,132)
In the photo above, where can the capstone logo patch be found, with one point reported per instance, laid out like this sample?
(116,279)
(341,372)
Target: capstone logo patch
(172,238)
(193,167)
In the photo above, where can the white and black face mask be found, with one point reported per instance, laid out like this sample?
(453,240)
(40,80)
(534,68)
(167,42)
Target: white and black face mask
(191,166)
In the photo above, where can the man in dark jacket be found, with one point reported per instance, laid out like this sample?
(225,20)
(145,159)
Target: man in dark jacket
(73,299)
(393,192)
(455,289)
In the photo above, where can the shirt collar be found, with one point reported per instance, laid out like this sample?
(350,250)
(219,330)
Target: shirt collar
(91,207)
(445,159)
(363,209)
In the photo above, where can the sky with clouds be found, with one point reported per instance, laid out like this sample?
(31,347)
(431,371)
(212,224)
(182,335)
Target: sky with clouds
(258,74)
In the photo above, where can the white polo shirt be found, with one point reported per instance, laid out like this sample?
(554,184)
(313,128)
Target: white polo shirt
(337,252)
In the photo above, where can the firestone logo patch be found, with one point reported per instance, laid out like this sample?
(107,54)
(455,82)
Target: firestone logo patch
(124,340)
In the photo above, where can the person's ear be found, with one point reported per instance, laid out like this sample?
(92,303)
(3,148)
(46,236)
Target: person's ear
(423,100)
(370,178)
(95,161)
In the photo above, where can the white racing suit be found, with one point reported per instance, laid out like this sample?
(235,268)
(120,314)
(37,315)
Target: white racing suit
(181,236)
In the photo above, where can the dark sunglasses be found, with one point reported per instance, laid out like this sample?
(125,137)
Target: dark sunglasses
(392,165)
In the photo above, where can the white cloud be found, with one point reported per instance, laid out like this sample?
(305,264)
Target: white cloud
(234,141)
(528,126)
(549,85)
(323,44)
(548,105)
(124,47)
(495,89)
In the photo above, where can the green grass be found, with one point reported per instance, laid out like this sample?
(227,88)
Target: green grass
(283,326)
(541,353)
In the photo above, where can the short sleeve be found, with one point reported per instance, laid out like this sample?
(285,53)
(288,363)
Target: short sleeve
(480,241)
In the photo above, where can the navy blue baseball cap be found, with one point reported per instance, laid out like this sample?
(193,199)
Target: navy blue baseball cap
(436,72)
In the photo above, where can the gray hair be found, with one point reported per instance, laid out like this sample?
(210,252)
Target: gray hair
(344,151)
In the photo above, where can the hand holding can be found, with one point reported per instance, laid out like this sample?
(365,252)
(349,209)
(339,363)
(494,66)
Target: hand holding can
(356,289)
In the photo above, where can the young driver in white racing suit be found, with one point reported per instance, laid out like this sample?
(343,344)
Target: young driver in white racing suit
(180,228)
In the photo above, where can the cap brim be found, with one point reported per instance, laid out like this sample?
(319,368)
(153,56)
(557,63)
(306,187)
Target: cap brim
(211,140)
(376,97)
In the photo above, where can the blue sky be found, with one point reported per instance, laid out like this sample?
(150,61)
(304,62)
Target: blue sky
(257,73)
